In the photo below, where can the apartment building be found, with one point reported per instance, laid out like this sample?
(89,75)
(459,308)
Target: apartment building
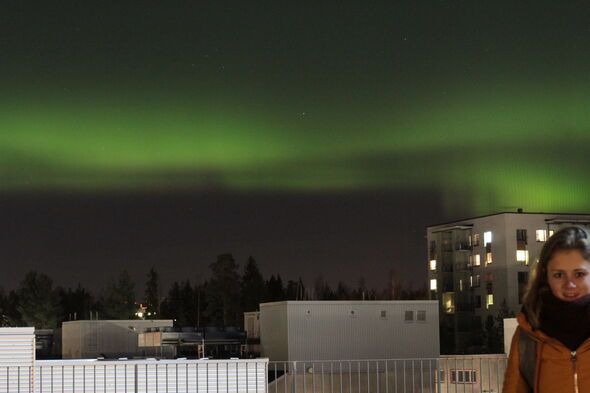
(480,265)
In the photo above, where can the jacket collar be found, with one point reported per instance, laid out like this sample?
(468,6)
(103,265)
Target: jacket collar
(540,336)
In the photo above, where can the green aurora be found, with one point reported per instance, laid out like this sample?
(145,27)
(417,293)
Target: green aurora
(520,147)
(484,104)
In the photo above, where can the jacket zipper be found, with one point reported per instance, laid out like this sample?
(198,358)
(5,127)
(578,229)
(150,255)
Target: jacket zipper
(573,359)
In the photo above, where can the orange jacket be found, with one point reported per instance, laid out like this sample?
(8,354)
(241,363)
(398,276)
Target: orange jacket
(558,370)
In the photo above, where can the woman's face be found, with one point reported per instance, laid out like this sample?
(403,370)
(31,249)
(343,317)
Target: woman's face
(568,275)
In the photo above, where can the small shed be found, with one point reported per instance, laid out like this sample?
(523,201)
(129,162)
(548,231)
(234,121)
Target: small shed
(252,325)
(334,330)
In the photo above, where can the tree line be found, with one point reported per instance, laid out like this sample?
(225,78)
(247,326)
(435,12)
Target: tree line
(219,301)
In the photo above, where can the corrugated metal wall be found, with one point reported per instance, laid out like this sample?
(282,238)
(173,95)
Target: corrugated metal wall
(331,330)
(17,356)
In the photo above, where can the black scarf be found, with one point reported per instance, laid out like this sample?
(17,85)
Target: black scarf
(568,322)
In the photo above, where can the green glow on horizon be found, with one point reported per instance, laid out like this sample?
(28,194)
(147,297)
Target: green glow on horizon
(514,148)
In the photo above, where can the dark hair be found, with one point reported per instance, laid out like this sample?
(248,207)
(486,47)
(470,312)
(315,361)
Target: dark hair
(570,238)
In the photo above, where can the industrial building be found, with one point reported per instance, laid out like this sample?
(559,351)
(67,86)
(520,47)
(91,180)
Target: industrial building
(322,330)
(85,339)
(480,266)
(20,372)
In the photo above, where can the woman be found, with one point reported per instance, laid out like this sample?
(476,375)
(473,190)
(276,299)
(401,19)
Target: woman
(555,320)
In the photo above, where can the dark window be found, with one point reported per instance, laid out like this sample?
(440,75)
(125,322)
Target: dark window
(409,316)
(478,301)
(421,316)
(521,235)
(477,281)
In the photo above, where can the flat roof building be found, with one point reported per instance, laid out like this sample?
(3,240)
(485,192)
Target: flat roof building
(332,330)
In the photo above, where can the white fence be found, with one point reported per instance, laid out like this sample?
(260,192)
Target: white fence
(141,376)
(460,374)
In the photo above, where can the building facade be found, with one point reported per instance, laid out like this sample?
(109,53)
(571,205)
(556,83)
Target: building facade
(478,269)
(334,330)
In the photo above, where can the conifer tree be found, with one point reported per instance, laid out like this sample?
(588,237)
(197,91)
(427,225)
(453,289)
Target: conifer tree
(253,289)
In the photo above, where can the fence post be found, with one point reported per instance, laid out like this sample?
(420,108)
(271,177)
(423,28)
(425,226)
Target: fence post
(438,379)
(294,377)
(135,378)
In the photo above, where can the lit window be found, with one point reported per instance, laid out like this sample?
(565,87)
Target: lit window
(476,260)
(550,232)
(460,285)
(433,264)
(448,302)
(488,257)
(490,300)
(522,256)
(433,284)
(541,235)
(475,239)
(487,238)
(471,281)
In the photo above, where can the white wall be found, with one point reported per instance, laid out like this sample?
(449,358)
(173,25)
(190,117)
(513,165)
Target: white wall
(510,325)
(331,330)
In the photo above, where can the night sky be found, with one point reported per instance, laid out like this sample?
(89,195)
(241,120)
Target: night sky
(320,137)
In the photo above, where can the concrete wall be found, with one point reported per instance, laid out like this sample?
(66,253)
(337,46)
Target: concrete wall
(329,330)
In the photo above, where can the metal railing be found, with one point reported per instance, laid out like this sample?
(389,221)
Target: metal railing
(131,376)
(483,374)
(447,374)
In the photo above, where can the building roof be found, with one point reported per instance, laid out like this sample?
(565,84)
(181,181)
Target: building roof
(346,302)
(529,213)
